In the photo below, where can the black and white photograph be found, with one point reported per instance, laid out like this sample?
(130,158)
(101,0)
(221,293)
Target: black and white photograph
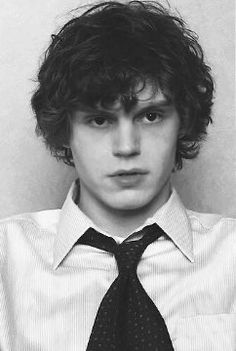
(118,175)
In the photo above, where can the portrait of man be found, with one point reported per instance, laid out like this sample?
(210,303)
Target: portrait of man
(124,97)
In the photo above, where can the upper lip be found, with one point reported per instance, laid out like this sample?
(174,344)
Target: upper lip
(129,171)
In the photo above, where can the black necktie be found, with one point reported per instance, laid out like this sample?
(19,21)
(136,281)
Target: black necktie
(127,319)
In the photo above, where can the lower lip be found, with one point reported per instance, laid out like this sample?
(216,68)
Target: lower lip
(128,180)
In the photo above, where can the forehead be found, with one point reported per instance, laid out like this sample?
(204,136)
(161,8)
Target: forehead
(142,96)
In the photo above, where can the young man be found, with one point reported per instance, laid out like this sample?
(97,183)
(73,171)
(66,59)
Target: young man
(124,96)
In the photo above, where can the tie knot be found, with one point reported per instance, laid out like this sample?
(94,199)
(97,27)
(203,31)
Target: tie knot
(128,255)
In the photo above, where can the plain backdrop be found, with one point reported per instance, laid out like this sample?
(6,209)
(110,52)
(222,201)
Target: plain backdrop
(31,180)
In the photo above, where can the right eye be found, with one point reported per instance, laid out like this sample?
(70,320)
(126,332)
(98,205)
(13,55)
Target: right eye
(99,121)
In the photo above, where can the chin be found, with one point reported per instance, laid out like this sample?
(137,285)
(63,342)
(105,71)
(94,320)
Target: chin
(134,202)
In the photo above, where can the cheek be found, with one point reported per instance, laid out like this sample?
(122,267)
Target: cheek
(162,153)
(162,146)
(170,138)
(88,156)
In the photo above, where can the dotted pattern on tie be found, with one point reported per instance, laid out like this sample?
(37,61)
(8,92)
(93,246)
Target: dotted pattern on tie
(127,319)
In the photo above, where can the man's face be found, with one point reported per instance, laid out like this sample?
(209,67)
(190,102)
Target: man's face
(107,143)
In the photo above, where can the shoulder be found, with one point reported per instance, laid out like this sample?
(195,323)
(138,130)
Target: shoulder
(41,220)
(209,221)
(213,229)
(27,228)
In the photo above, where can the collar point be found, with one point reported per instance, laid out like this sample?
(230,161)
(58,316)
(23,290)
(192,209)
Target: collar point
(55,264)
(191,258)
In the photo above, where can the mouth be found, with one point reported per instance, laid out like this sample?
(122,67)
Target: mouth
(131,172)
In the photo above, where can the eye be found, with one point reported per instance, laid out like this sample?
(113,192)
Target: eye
(99,121)
(152,116)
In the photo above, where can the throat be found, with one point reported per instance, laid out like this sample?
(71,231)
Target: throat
(116,221)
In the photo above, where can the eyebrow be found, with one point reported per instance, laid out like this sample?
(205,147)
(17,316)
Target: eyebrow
(162,104)
(156,106)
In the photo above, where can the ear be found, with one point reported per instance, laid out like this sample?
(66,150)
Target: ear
(175,168)
(182,131)
(184,123)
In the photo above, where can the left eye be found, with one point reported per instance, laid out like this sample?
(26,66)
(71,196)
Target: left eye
(152,116)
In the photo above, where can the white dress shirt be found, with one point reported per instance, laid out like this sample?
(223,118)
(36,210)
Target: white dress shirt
(50,290)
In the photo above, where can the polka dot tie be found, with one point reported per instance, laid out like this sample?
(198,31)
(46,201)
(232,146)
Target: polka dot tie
(127,319)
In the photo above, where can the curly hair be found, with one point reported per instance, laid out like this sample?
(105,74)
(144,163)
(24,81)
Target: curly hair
(105,52)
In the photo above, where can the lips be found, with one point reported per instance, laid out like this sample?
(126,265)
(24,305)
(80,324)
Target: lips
(125,172)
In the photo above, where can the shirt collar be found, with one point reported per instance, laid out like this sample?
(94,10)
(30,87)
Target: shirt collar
(171,217)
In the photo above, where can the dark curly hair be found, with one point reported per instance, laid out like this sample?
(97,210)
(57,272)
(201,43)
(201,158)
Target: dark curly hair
(105,52)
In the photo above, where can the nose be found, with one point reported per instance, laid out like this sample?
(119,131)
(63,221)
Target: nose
(126,139)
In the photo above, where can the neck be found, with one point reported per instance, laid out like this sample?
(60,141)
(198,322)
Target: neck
(122,222)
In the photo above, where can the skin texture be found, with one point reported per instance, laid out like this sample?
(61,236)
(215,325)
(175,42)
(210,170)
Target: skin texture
(104,141)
